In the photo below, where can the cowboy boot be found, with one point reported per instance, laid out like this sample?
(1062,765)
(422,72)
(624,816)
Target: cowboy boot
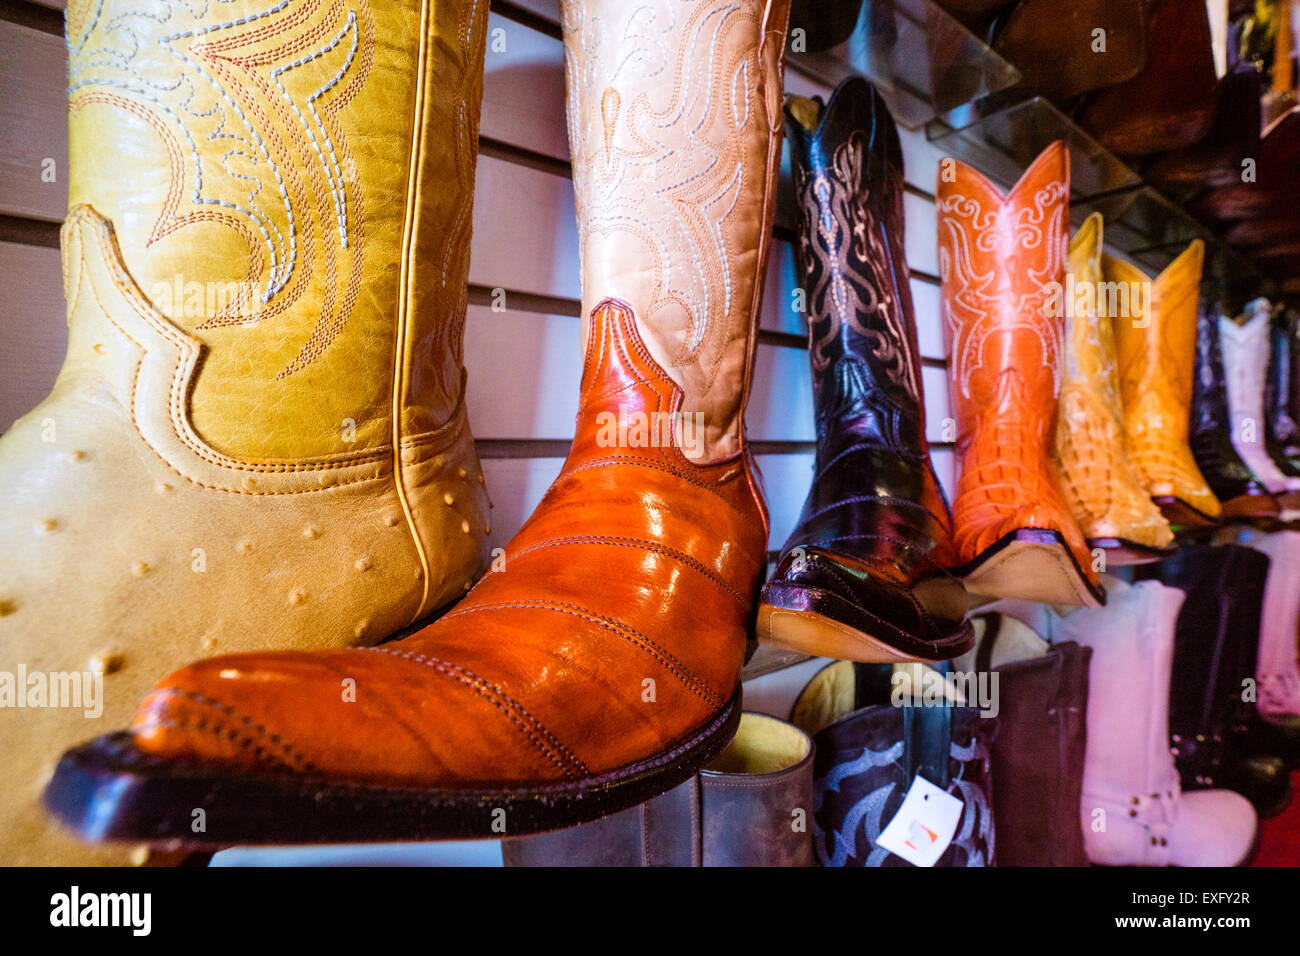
(1038,752)
(1104,495)
(1278,673)
(1133,811)
(862,575)
(1246,344)
(600,666)
(869,747)
(1210,431)
(1281,395)
(749,807)
(257,438)
(1215,642)
(999,259)
(1156,345)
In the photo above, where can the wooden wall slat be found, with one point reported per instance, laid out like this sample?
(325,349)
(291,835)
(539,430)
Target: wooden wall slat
(33,330)
(33,123)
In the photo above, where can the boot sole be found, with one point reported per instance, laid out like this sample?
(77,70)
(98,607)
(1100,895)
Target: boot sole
(1251,506)
(1031,564)
(107,789)
(1121,552)
(1182,515)
(822,635)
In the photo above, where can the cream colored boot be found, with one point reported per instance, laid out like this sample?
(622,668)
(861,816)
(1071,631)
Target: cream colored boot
(258,438)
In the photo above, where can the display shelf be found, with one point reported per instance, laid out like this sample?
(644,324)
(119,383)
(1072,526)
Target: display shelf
(1003,144)
(1144,225)
(923,62)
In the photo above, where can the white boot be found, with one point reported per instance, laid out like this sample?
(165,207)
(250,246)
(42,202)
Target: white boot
(1278,671)
(1133,810)
(1245,344)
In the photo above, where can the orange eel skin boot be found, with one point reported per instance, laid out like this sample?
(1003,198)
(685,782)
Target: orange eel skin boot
(1000,257)
(601,667)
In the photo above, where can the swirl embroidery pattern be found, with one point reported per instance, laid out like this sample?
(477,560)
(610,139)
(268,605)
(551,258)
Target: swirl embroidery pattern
(247,108)
(853,288)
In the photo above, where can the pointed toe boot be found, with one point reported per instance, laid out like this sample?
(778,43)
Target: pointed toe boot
(260,416)
(1156,343)
(1246,341)
(599,666)
(1105,496)
(1000,257)
(1210,431)
(862,576)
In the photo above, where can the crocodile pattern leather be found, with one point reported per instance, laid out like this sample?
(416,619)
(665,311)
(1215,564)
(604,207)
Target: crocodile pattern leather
(616,623)
(875,520)
(1210,429)
(1103,492)
(997,256)
(1245,362)
(1156,346)
(673,112)
(257,439)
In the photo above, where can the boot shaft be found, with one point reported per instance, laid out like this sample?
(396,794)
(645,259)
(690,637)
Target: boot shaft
(290,184)
(848,174)
(675,132)
(999,257)
(1156,342)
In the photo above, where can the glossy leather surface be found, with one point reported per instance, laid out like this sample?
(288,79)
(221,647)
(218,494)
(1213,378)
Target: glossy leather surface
(1246,344)
(1210,429)
(675,133)
(637,566)
(745,809)
(202,479)
(1156,347)
(875,521)
(997,255)
(1170,103)
(1100,486)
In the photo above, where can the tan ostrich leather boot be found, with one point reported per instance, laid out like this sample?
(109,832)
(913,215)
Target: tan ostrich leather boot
(1111,506)
(1001,257)
(1156,346)
(257,439)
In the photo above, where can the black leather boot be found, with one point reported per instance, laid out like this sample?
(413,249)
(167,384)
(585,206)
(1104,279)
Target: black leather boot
(862,577)
(1213,731)
(1281,396)
(1210,431)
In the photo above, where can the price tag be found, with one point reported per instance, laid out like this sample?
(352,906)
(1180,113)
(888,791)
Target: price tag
(924,825)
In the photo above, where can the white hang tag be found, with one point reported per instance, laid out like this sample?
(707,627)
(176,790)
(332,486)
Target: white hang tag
(923,826)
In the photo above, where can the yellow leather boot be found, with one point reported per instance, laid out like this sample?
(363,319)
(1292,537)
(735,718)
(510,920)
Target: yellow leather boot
(1104,495)
(258,437)
(1155,341)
